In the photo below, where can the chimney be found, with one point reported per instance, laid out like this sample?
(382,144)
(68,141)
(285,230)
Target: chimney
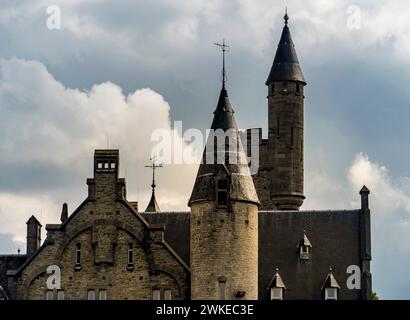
(33,236)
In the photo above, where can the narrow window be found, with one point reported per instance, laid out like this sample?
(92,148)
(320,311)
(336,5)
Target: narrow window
(222,192)
(297,88)
(277,126)
(156,294)
(222,290)
(60,295)
(130,254)
(106,164)
(330,293)
(102,294)
(276,293)
(272,88)
(285,87)
(301,150)
(112,165)
(91,294)
(167,294)
(78,254)
(291,136)
(49,295)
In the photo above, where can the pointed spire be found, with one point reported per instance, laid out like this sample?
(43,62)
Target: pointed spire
(237,172)
(64,213)
(153,205)
(285,66)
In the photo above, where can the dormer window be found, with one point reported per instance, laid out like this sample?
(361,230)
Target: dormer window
(330,293)
(305,248)
(330,287)
(276,287)
(222,192)
(285,87)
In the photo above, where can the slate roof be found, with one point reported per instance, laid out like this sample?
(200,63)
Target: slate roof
(9,262)
(334,236)
(285,65)
(241,182)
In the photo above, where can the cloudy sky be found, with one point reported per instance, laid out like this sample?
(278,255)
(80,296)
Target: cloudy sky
(117,70)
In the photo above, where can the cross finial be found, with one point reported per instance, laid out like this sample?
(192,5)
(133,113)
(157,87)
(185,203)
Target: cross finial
(286,17)
(153,166)
(225,48)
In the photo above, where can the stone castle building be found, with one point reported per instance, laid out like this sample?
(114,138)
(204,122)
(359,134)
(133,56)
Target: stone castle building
(244,237)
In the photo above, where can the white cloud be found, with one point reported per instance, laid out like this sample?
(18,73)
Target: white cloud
(43,122)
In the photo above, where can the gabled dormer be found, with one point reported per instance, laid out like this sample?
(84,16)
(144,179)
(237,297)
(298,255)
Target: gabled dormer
(330,287)
(304,248)
(276,287)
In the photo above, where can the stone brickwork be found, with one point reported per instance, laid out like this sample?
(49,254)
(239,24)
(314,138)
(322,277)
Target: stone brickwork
(104,226)
(224,245)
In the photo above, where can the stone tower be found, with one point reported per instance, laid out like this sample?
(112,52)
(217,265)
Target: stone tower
(285,121)
(224,216)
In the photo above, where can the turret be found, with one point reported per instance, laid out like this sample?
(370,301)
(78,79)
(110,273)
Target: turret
(224,215)
(285,120)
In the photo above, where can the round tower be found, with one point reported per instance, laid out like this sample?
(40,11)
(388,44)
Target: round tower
(224,216)
(285,120)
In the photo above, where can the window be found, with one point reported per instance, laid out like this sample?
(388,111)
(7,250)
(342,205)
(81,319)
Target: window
(272,88)
(222,192)
(276,293)
(99,165)
(60,295)
(285,87)
(102,294)
(112,165)
(291,136)
(49,295)
(304,252)
(106,165)
(167,294)
(277,126)
(222,290)
(330,293)
(130,254)
(78,254)
(297,88)
(91,294)
(156,294)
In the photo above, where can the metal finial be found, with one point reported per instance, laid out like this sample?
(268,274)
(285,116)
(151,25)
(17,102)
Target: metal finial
(286,17)
(277,269)
(18,251)
(153,167)
(330,269)
(224,48)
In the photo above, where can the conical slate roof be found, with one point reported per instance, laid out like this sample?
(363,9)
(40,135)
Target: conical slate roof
(152,205)
(241,183)
(276,281)
(286,66)
(330,281)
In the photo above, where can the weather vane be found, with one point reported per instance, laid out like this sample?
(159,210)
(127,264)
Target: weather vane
(153,166)
(224,48)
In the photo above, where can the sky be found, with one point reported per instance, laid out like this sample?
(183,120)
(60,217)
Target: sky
(117,70)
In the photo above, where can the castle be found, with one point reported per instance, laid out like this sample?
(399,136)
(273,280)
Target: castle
(244,237)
